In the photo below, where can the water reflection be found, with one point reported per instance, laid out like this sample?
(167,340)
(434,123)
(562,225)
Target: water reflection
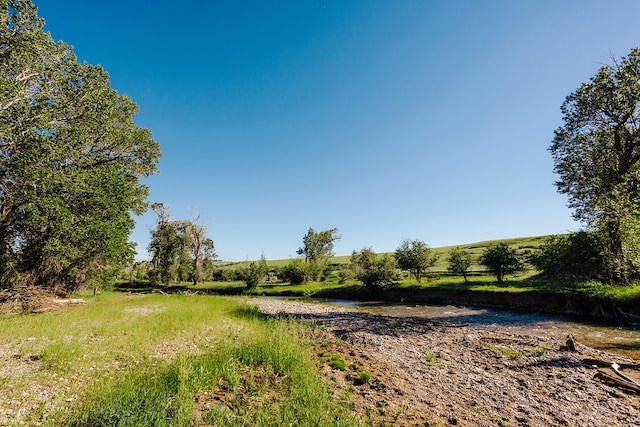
(624,340)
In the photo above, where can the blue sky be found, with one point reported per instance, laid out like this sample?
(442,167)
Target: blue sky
(385,119)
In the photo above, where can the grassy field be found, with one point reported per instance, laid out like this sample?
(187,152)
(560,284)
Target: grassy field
(161,360)
(520,244)
(438,277)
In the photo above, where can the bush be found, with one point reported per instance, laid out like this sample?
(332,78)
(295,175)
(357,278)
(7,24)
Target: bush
(373,270)
(344,275)
(255,272)
(295,272)
(574,256)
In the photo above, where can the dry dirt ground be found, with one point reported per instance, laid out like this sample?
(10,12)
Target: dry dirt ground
(445,374)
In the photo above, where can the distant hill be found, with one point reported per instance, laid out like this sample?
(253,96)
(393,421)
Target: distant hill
(520,244)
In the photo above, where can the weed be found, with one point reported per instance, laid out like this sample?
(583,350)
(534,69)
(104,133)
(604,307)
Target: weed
(364,376)
(336,362)
(541,350)
(432,358)
(506,351)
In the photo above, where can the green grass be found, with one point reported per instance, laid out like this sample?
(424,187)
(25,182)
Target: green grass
(161,360)
(527,281)
(432,358)
(508,352)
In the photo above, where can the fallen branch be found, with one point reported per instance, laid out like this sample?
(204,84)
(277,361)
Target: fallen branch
(616,368)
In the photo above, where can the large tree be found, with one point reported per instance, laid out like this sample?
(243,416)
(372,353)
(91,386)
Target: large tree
(180,248)
(416,257)
(318,245)
(70,160)
(317,248)
(596,153)
(201,248)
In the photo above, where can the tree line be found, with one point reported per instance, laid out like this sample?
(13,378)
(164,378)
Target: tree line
(176,257)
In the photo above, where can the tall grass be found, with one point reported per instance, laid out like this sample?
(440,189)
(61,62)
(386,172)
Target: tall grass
(161,360)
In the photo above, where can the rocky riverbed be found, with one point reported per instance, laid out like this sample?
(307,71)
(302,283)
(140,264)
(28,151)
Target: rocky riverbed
(448,374)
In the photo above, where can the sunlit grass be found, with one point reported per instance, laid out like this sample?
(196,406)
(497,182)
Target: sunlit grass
(125,360)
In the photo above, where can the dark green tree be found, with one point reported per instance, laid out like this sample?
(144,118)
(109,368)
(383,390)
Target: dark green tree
(573,256)
(596,153)
(70,161)
(416,257)
(295,272)
(500,259)
(373,270)
(459,262)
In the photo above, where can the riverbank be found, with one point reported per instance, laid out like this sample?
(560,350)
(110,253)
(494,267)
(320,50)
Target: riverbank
(567,303)
(437,373)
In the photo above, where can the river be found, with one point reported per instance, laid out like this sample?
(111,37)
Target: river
(623,340)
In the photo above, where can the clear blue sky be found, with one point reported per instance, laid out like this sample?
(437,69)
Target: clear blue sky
(386,119)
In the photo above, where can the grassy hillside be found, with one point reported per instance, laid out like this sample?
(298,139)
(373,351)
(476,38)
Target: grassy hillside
(521,244)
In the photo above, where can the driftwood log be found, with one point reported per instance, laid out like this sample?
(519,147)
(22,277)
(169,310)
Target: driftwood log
(621,381)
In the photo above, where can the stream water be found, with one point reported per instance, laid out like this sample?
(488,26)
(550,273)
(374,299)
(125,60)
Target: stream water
(623,340)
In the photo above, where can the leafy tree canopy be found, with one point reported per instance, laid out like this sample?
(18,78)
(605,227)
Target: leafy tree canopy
(459,262)
(596,154)
(70,160)
(500,259)
(373,270)
(180,248)
(318,246)
(416,257)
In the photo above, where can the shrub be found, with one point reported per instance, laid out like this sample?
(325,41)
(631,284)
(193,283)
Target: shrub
(574,256)
(373,270)
(295,272)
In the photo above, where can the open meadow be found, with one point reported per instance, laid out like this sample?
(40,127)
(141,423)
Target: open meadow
(161,360)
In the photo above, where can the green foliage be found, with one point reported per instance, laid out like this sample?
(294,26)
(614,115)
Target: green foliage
(344,275)
(255,272)
(432,358)
(295,272)
(509,352)
(415,256)
(180,249)
(597,156)
(318,246)
(575,256)
(373,270)
(500,259)
(336,362)
(459,262)
(364,376)
(71,158)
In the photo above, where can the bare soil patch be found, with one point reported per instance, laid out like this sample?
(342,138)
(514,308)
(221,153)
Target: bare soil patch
(447,374)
